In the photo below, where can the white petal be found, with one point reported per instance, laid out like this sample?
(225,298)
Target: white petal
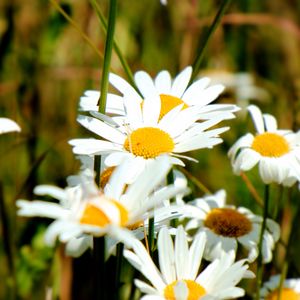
(181,253)
(8,125)
(145,84)
(163,82)
(180,82)
(166,255)
(77,246)
(270,122)
(102,129)
(257,118)
(50,190)
(195,89)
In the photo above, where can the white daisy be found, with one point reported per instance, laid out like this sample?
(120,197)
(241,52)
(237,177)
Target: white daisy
(8,125)
(277,152)
(142,137)
(178,276)
(290,289)
(226,226)
(176,92)
(84,209)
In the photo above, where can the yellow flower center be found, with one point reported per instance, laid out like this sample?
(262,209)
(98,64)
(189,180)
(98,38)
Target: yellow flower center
(195,290)
(105,176)
(228,222)
(149,142)
(94,215)
(270,144)
(286,294)
(168,102)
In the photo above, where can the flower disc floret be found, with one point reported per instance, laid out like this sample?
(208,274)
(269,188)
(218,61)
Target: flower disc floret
(270,144)
(149,142)
(168,102)
(228,222)
(195,290)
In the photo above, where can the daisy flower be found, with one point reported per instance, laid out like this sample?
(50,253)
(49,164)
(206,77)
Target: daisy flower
(290,289)
(178,276)
(142,136)
(8,125)
(226,226)
(85,210)
(174,92)
(277,152)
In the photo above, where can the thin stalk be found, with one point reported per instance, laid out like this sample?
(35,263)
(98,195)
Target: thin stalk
(211,30)
(8,245)
(252,189)
(120,248)
(100,276)
(71,21)
(115,45)
(151,236)
(100,287)
(107,54)
(282,278)
(260,243)
(195,181)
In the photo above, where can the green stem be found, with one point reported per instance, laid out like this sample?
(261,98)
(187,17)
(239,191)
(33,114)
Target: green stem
(120,248)
(71,21)
(107,54)
(100,280)
(100,276)
(195,181)
(151,236)
(115,45)
(260,243)
(211,30)
(282,278)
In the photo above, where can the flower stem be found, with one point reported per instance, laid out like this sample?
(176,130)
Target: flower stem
(195,181)
(100,276)
(115,45)
(107,54)
(120,248)
(211,30)
(151,236)
(260,243)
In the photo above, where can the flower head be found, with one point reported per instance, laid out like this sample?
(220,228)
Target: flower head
(226,226)
(178,276)
(277,152)
(143,134)
(84,209)
(290,289)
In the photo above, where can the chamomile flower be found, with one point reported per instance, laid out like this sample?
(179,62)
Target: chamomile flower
(8,125)
(277,152)
(290,289)
(178,276)
(142,136)
(174,92)
(226,226)
(85,210)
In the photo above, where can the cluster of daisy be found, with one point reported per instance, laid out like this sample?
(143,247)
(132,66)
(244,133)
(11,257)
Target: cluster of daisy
(143,135)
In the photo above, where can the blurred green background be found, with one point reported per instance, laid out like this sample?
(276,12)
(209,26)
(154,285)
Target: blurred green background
(45,66)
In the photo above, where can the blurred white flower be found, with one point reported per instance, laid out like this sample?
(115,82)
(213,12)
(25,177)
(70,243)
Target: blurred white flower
(290,289)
